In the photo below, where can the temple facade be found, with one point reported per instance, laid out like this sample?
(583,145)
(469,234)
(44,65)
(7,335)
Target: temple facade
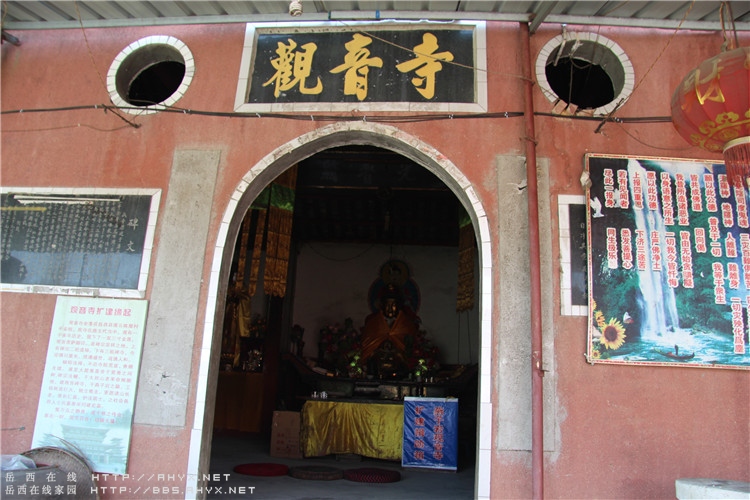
(160,147)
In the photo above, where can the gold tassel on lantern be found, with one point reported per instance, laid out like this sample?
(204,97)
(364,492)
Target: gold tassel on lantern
(466,240)
(737,160)
(278,243)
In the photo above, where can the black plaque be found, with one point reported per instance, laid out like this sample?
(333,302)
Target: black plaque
(578,254)
(78,240)
(311,66)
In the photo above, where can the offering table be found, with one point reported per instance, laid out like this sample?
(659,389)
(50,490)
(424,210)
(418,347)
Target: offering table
(371,428)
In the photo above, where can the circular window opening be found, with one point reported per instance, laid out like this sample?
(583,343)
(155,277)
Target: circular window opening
(150,74)
(589,74)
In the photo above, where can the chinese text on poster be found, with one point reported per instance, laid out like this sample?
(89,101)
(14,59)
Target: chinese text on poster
(430,433)
(669,263)
(90,376)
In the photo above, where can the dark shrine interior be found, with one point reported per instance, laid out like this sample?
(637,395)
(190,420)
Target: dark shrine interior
(359,195)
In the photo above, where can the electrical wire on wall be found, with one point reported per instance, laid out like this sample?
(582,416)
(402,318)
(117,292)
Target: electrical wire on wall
(610,115)
(93,63)
(734,42)
(331,118)
(355,116)
(338,117)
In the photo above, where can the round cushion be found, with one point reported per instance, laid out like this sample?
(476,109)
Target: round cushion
(262,469)
(316,472)
(372,475)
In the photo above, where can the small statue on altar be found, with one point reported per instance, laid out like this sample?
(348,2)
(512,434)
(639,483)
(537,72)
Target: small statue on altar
(388,363)
(393,323)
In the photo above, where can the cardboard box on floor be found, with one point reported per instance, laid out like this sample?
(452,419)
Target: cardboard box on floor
(285,434)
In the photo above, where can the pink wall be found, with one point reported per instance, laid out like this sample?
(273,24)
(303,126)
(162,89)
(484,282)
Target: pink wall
(629,433)
(625,431)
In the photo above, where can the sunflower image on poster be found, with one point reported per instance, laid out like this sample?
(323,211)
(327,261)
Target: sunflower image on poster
(668,263)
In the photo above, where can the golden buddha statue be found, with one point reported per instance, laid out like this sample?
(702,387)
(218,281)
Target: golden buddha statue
(393,323)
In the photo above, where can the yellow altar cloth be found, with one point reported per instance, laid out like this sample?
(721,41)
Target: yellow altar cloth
(367,429)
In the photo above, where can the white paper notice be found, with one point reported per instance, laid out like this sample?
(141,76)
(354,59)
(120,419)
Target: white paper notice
(90,378)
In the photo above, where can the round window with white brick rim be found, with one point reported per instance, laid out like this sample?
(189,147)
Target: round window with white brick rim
(150,74)
(584,72)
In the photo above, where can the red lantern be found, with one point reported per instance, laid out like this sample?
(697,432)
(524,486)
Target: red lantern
(711,110)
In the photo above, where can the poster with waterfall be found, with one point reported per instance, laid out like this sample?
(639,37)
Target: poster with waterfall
(668,263)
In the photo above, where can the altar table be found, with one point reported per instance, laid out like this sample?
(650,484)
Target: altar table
(364,428)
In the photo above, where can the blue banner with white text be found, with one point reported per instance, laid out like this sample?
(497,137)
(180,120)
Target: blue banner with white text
(430,433)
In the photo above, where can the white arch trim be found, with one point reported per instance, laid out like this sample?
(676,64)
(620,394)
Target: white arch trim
(337,134)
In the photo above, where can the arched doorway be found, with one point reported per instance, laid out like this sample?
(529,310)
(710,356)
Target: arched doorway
(335,136)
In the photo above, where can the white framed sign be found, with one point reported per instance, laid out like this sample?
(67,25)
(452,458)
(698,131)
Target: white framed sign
(90,379)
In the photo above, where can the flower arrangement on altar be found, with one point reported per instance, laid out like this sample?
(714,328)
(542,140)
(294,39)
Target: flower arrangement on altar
(339,346)
(356,368)
(340,350)
(421,355)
